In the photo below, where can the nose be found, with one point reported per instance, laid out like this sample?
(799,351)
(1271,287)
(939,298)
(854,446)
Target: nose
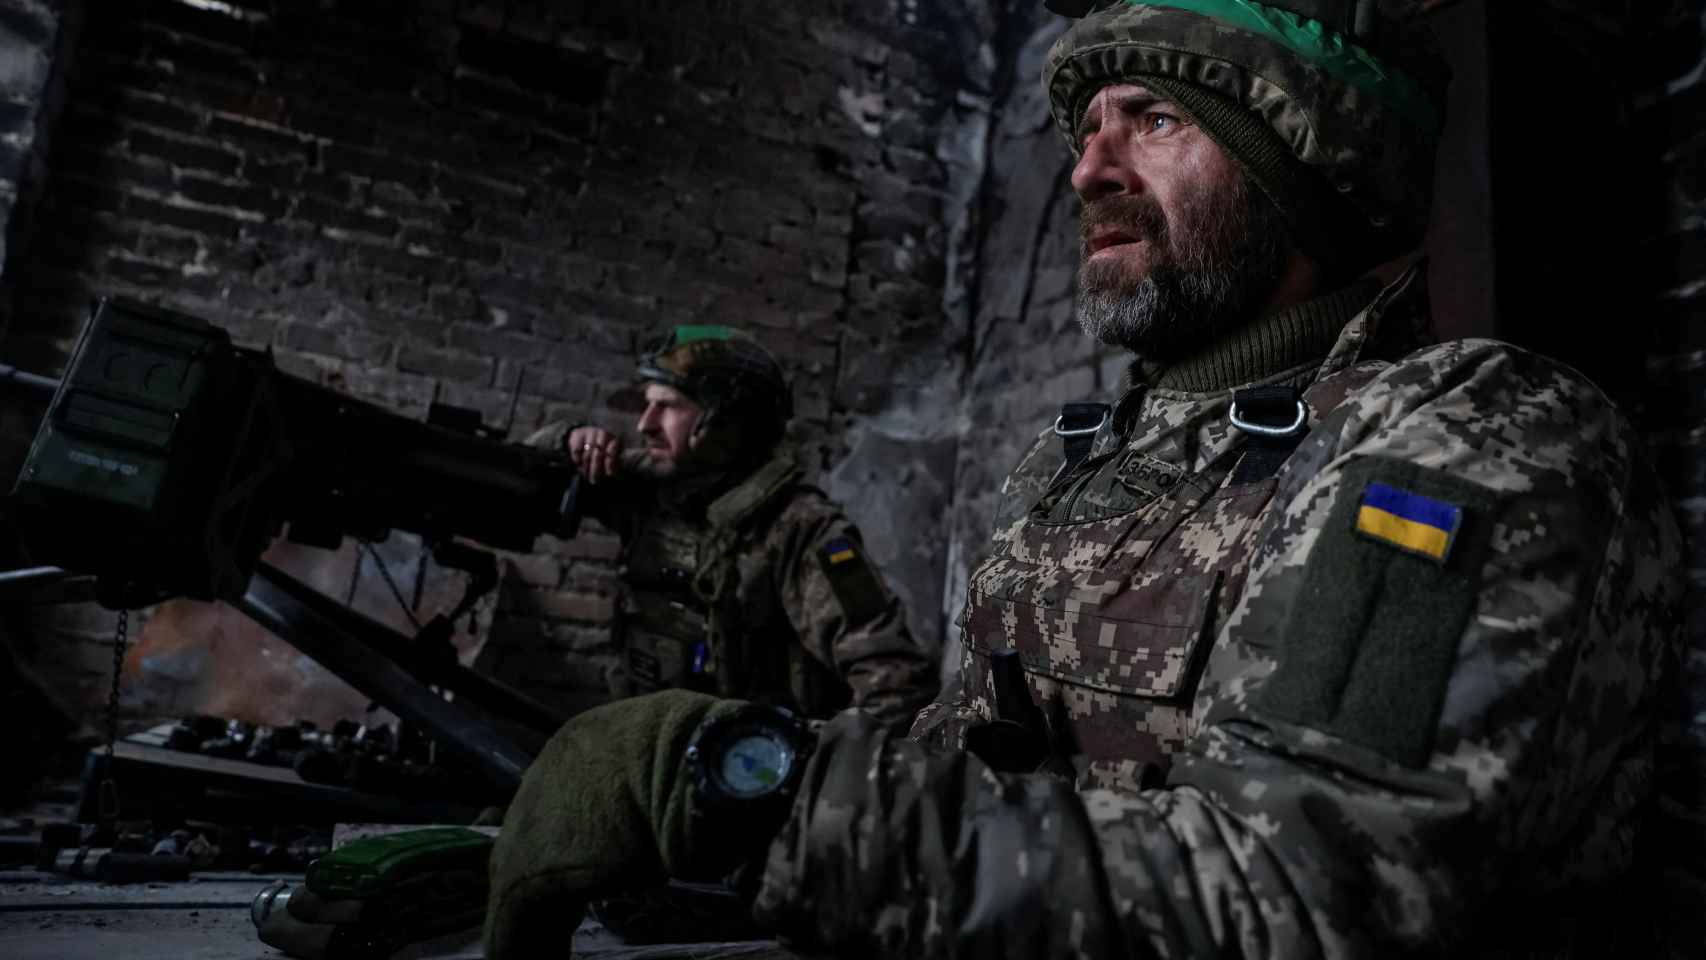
(648,419)
(1102,170)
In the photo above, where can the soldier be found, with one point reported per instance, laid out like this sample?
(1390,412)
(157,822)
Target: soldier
(1333,643)
(738,577)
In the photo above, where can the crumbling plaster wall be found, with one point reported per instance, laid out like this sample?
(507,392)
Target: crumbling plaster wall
(35,41)
(1025,355)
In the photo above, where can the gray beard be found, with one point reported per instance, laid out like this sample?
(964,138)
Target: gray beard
(1168,315)
(1225,257)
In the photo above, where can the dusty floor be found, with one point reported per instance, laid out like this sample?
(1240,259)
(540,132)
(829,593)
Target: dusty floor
(50,916)
(45,916)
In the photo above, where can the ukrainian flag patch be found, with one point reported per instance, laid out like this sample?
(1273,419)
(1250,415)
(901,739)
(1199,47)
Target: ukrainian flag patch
(1409,521)
(839,551)
(855,584)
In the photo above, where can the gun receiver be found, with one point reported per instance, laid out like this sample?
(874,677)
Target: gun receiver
(169,458)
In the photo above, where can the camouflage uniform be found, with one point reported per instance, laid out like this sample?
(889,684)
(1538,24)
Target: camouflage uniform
(758,590)
(1286,722)
(1364,751)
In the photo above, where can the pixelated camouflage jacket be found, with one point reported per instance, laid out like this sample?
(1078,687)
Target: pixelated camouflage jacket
(1372,746)
(762,593)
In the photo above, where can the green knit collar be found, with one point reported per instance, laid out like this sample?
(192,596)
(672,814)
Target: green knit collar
(1269,346)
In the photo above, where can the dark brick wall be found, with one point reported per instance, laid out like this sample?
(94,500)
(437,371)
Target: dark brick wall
(491,204)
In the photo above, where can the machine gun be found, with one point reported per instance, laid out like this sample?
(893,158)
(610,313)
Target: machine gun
(170,458)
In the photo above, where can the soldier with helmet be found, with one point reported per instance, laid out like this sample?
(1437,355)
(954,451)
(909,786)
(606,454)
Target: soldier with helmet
(1322,640)
(738,578)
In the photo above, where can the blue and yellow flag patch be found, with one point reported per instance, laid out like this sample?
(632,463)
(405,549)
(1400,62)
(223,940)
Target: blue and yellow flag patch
(839,551)
(1409,521)
(856,587)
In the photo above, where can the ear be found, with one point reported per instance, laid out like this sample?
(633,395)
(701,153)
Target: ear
(696,433)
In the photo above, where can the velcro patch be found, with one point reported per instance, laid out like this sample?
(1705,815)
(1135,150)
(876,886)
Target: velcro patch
(1409,521)
(856,586)
(1370,640)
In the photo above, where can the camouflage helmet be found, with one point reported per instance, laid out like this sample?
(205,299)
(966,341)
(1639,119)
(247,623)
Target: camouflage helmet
(1332,107)
(721,369)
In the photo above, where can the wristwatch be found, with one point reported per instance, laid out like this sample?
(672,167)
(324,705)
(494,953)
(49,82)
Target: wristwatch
(746,765)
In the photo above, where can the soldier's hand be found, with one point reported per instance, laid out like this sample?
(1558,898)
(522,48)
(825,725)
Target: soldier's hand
(596,452)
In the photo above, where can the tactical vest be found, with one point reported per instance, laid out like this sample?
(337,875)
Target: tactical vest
(679,576)
(1111,587)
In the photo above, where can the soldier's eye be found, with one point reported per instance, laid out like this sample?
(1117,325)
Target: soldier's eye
(1160,123)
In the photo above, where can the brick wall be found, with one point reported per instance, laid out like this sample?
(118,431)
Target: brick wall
(491,204)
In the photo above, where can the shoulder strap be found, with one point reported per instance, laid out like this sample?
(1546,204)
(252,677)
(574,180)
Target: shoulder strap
(1077,427)
(734,508)
(1275,420)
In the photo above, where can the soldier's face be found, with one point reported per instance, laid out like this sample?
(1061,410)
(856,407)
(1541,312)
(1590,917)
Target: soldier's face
(1175,247)
(666,425)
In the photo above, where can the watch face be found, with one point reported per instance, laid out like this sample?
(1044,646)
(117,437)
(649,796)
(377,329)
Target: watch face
(755,763)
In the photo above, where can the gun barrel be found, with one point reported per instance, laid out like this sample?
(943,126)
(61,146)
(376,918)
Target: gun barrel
(360,469)
(23,378)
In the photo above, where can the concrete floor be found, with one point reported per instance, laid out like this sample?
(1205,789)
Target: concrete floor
(49,917)
(45,916)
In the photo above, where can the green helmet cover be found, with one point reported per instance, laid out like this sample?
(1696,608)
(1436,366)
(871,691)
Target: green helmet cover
(1349,103)
(719,367)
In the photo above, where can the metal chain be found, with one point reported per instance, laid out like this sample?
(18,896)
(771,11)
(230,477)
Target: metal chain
(108,799)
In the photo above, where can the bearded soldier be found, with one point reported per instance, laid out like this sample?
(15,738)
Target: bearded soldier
(738,577)
(1320,642)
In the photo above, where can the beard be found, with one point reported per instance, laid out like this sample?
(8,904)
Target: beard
(1219,259)
(655,466)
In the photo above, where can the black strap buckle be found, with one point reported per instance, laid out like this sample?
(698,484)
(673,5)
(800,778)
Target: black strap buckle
(1077,427)
(1269,411)
(1276,420)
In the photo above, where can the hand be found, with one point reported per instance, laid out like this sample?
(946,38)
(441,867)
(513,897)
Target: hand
(604,808)
(596,452)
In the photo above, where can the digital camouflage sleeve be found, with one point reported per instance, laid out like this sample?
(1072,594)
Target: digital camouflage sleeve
(843,613)
(1301,819)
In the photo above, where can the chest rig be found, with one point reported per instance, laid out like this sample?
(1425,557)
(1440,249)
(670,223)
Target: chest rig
(1108,588)
(681,576)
